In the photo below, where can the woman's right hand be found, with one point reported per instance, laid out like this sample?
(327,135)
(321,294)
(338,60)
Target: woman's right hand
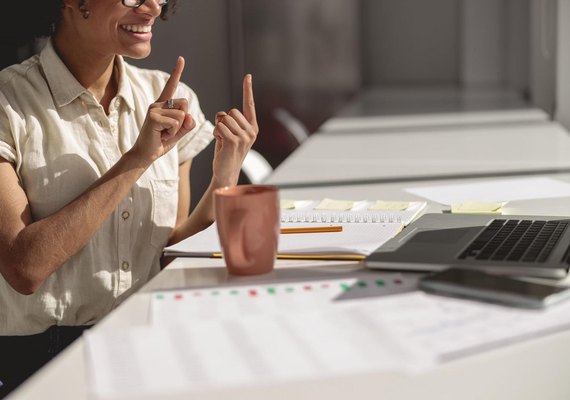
(164,126)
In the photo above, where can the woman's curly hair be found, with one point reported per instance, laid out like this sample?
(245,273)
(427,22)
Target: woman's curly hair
(42,18)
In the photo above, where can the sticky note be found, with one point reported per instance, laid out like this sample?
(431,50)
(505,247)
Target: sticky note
(477,207)
(287,204)
(330,204)
(389,205)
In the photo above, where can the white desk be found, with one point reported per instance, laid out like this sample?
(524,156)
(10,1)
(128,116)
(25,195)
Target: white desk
(533,369)
(369,157)
(529,370)
(385,108)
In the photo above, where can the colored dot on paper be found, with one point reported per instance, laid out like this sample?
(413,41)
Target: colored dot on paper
(290,290)
(178,296)
(271,290)
(215,293)
(397,281)
(160,297)
(307,288)
(361,284)
(197,294)
(380,283)
(253,293)
(325,285)
(345,287)
(234,292)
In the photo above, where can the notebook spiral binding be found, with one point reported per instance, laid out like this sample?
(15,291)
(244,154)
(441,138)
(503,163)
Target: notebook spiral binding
(343,217)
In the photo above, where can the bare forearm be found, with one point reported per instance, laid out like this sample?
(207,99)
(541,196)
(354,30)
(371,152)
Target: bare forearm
(43,246)
(200,219)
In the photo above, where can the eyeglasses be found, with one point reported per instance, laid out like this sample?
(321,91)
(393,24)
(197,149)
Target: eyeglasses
(138,3)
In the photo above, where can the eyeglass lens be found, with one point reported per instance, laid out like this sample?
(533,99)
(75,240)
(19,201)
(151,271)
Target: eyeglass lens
(138,3)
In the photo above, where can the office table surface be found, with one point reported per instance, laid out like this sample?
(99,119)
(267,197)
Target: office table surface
(381,108)
(529,370)
(532,369)
(368,157)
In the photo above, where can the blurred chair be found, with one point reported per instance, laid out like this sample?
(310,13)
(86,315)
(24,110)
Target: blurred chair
(294,127)
(255,167)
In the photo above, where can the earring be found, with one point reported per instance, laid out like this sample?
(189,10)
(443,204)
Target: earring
(84,11)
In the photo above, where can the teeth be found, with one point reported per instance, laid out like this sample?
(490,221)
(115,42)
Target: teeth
(137,28)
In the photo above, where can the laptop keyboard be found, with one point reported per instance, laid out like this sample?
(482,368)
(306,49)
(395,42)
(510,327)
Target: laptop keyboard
(515,240)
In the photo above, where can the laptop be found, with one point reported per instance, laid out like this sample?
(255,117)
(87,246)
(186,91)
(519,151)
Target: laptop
(536,246)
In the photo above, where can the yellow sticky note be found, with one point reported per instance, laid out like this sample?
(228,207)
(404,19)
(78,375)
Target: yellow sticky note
(389,205)
(339,205)
(287,204)
(477,207)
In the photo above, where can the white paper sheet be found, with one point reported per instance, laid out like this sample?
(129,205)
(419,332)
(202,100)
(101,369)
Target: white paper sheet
(225,303)
(450,328)
(155,361)
(494,190)
(407,333)
(195,305)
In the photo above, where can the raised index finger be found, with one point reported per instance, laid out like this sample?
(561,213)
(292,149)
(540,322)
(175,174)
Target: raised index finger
(172,83)
(248,102)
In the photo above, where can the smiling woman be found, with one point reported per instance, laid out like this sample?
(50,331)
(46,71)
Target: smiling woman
(46,16)
(94,163)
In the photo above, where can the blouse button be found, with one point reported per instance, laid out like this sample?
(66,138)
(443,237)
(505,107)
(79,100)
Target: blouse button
(125,266)
(125,215)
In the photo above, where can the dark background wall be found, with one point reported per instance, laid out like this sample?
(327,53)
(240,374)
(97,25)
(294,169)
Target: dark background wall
(311,56)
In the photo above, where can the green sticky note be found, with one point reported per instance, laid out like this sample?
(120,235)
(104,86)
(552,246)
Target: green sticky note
(477,207)
(337,205)
(389,205)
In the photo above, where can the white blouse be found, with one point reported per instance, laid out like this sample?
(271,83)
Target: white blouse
(60,140)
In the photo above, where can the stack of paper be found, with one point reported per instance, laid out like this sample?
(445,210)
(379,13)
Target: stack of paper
(273,341)
(294,333)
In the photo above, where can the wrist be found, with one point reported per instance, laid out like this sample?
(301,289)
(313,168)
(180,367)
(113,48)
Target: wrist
(134,161)
(224,179)
(217,183)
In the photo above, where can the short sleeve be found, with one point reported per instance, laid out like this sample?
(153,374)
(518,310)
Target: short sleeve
(198,139)
(7,144)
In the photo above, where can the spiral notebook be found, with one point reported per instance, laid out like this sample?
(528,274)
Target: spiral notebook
(366,225)
(354,242)
(319,211)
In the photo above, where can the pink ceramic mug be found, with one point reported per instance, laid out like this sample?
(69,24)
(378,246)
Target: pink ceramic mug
(248,220)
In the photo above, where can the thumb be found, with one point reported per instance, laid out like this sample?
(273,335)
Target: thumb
(219,116)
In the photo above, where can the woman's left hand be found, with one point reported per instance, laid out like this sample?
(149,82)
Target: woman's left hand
(235,133)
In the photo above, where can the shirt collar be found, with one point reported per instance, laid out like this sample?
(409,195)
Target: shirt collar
(65,88)
(125,91)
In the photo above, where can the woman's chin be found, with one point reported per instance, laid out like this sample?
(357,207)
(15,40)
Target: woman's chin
(137,52)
